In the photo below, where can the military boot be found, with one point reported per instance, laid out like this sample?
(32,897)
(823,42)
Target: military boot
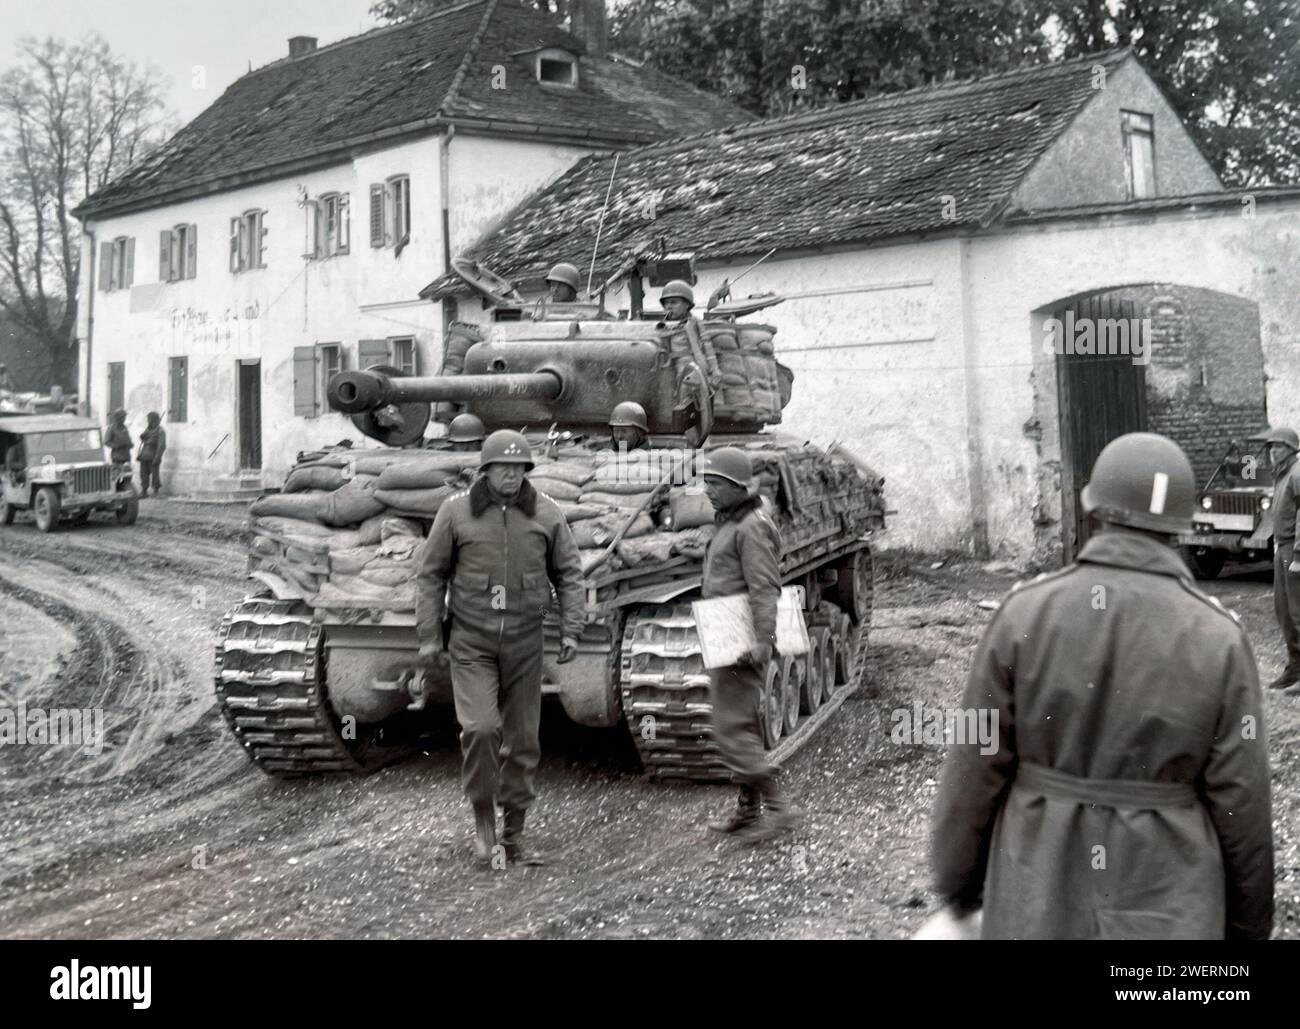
(746,811)
(513,838)
(777,817)
(485,831)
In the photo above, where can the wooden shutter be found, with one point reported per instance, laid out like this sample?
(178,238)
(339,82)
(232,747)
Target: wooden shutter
(191,250)
(377,194)
(311,249)
(178,382)
(344,224)
(234,244)
(165,256)
(106,266)
(373,351)
(261,239)
(304,381)
(128,273)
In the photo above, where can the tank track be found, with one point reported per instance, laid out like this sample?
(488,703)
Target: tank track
(665,690)
(270,673)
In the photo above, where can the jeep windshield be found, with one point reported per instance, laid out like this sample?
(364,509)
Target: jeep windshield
(1245,464)
(69,446)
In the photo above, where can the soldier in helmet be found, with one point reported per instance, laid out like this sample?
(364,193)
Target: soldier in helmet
(465,433)
(498,545)
(1283,445)
(562,283)
(744,557)
(1124,790)
(677,299)
(628,427)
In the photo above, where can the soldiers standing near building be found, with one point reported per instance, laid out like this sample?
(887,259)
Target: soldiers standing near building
(1126,791)
(1282,447)
(118,439)
(744,557)
(498,545)
(153,442)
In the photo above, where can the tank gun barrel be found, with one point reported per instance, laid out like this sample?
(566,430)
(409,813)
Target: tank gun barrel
(357,392)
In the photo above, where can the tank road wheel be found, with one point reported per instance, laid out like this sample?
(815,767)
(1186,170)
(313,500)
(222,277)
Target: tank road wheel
(792,686)
(819,659)
(6,513)
(772,712)
(844,640)
(855,585)
(270,676)
(45,507)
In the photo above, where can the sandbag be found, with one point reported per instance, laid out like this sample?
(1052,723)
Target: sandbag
(336,539)
(581,512)
(400,546)
(610,499)
(556,489)
(646,549)
(723,337)
(305,506)
(566,471)
(390,526)
(689,508)
(750,336)
(692,542)
(323,459)
(425,474)
(320,477)
(388,575)
(356,591)
(371,530)
(351,560)
(597,532)
(353,502)
(265,545)
(283,526)
(423,502)
(589,557)
(376,462)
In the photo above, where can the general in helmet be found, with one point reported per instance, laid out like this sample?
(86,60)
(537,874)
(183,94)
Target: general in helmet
(562,283)
(744,559)
(488,566)
(628,427)
(1283,445)
(1116,696)
(465,433)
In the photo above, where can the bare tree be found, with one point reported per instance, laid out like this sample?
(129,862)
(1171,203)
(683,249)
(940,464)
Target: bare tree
(72,117)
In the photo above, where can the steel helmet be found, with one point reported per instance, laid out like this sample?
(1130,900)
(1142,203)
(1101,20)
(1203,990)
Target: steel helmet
(466,428)
(1142,480)
(566,273)
(729,463)
(505,446)
(1287,437)
(629,412)
(680,289)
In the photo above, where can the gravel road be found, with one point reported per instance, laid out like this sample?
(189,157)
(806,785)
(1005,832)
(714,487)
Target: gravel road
(170,832)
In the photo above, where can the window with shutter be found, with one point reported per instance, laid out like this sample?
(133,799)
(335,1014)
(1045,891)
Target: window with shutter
(344,222)
(178,388)
(177,270)
(105,266)
(261,239)
(165,256)
(304,382)
(377,219)
(129,277)
(191,250)
(371,352)
(234,244)
(402,354)
(329,364)
(312,250)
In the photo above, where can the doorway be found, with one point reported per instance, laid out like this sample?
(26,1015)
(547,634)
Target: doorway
(250,414)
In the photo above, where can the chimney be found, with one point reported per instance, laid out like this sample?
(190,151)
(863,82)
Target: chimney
(299,45)
(587,22)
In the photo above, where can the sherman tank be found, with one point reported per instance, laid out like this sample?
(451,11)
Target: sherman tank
(318,663)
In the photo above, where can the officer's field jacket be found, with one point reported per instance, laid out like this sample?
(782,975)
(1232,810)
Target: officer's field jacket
(499,560)
(744,557)
(1127,793)
(1286,502)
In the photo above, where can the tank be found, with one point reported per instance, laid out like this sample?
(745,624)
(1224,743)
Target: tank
(317,665)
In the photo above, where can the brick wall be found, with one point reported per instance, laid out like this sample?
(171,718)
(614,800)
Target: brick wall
(1205,379)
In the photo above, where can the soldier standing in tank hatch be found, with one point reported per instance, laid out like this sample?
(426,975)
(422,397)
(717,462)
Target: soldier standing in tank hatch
(1125,794)
(498,545)
(465,434)
(628,427)
(744,557)
(562,283)
(677,299)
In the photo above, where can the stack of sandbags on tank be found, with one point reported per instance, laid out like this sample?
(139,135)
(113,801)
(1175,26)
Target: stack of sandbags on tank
(751,388)
(563,479)
(380,575)
(418,487)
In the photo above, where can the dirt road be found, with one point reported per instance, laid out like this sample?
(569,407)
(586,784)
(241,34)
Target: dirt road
(169,831)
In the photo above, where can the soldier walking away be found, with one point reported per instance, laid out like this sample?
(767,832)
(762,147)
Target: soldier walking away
(744,557)
(562,283)
(6,380)
(628,427)
(498,545)
(118,439)
(1282,447)
(465,433)
(153,442)
(1125,794)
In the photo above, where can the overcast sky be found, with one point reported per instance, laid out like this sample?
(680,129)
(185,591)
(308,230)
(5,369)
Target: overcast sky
(221,36)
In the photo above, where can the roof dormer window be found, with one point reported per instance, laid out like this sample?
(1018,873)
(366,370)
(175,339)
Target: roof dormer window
(557,67)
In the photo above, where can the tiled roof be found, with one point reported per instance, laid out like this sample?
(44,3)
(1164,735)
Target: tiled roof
(924,160)
(405,78)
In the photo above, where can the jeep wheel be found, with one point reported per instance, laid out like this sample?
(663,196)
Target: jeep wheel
(1209,564)
(45,506)
(127,513)
(6,513)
